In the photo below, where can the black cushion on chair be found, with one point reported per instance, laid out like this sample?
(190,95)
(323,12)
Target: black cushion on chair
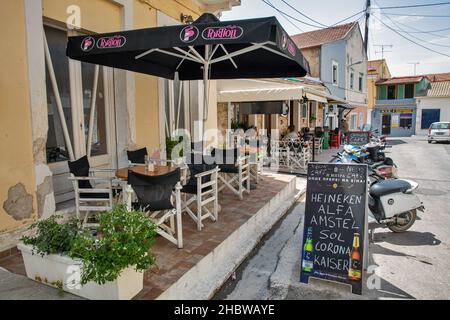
(137,156)
(191,185)
(226,159)
(154,206)
(94,195)
(228,168)
(80,168)
(154,192)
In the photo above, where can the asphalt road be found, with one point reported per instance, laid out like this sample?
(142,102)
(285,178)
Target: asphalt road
(410,265)
(416,264)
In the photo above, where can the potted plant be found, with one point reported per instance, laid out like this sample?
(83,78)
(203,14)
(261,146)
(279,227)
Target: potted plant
(106,265)
(171,143)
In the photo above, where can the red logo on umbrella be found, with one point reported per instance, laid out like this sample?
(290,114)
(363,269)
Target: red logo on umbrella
(111,42)
(288,44)
(189,34)
(87,44)
(221,33)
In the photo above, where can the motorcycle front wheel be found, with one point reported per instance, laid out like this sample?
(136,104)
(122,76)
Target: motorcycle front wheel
(410,218)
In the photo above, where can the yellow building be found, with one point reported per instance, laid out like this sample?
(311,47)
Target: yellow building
(131,109)
(376,70)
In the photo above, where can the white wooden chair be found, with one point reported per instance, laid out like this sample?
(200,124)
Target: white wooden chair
(202,189)
(318,142)
(90,197)
(234,171)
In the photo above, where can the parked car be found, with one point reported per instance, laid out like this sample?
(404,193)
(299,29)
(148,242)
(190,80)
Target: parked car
(439,131)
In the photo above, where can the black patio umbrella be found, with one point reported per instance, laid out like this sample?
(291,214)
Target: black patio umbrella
(206,49)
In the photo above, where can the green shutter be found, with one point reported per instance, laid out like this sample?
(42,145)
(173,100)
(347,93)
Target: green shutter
(401,91)
(382,92)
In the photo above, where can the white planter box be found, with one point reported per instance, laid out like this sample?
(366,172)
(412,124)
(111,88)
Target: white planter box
(53,269)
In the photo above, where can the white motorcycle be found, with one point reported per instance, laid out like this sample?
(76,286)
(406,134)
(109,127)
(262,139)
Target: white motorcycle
(393,203)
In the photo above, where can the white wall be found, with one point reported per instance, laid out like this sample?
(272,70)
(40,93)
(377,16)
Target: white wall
(354,54)
(432,103)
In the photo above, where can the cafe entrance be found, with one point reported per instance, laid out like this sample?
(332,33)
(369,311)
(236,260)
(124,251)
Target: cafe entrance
(80,104)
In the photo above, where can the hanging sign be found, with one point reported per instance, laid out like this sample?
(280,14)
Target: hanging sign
(335,224)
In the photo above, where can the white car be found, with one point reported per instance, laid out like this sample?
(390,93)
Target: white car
(439,131)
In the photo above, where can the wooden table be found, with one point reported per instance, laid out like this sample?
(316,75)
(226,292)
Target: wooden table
(122,173)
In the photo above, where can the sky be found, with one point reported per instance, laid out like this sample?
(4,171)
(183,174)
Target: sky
(405,20)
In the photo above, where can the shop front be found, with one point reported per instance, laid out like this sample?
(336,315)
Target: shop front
(395,121)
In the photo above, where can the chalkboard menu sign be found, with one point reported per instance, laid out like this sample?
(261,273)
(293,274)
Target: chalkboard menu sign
(335,223)
(358,138)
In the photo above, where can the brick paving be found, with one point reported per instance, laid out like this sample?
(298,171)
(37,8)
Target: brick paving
(172,263)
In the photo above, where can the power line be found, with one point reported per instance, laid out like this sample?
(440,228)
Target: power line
(304,15)
(283,15)
(431,32)
(353,15)
(417,15)
(417,5)
(420,45)
(411,35)
(294,18)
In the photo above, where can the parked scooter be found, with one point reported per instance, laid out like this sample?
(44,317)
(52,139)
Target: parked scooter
(383,166)
(369,153)
(393,203)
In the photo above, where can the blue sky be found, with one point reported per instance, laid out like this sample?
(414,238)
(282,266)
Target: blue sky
(403,52)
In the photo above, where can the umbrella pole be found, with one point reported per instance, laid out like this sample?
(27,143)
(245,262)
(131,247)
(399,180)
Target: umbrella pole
(206,67)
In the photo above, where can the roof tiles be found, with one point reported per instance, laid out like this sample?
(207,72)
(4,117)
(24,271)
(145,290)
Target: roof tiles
(318,37)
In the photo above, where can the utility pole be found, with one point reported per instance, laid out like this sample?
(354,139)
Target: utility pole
(415,66)
(366,31)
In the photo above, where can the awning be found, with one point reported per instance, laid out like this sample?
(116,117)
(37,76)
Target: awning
(315,95)
(248,90)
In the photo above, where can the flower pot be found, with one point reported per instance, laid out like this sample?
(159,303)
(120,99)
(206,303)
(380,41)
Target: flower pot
(58,270)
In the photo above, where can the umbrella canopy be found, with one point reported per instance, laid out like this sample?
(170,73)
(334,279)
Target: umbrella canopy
(205,49)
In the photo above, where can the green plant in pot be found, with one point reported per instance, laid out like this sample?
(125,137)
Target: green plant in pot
(171,143)
(123,239)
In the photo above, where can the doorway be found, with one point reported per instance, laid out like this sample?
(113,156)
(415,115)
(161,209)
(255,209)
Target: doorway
(386,124)
(85,123)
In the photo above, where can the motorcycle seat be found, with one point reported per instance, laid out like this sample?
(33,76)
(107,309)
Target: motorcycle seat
(383,188)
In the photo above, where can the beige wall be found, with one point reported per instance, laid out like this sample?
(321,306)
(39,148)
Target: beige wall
(96,15)
(147,106)
(371,90)
(17,205)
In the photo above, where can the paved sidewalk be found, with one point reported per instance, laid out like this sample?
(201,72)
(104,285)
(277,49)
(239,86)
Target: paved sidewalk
(18,287)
